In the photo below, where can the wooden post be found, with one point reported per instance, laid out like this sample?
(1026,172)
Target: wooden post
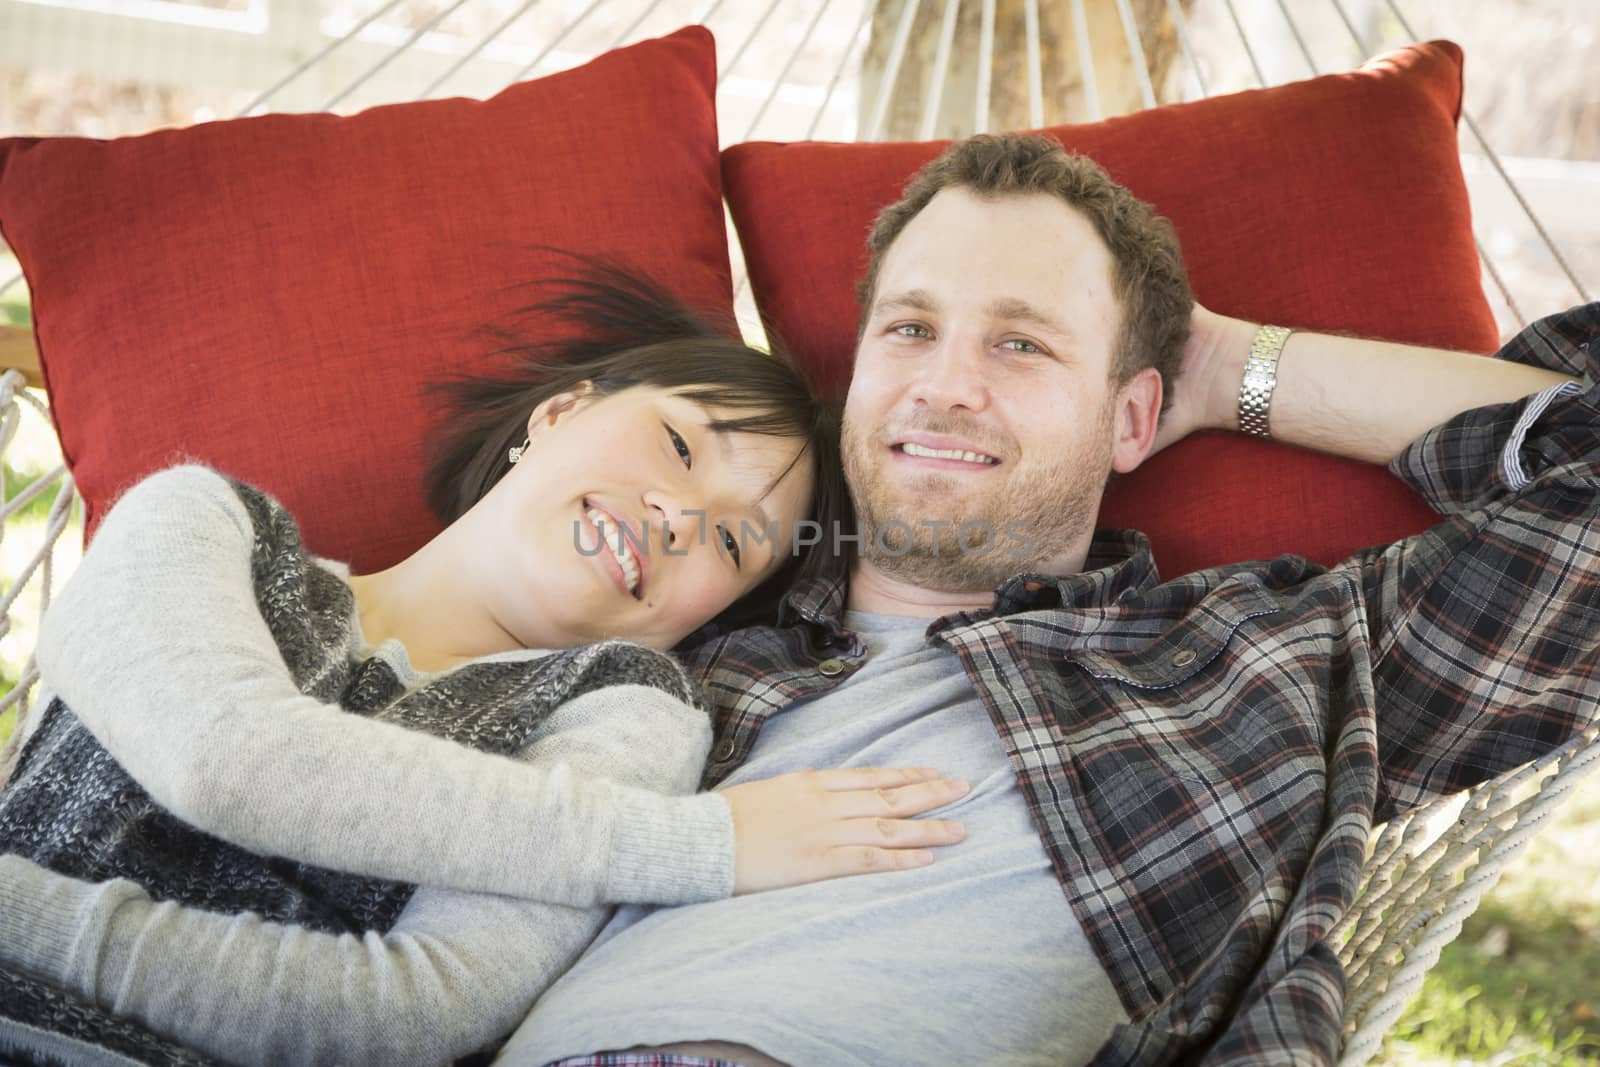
(16,351)
(1064,98)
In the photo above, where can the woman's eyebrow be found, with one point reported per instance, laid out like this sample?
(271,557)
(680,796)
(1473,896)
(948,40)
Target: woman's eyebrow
(729,454)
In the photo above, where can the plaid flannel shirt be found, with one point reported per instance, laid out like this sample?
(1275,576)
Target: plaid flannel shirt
(1204,757)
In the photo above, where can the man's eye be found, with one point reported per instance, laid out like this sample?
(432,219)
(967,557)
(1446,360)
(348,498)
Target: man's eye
(682,447)
(912,329)
(1027,347)
(730,544)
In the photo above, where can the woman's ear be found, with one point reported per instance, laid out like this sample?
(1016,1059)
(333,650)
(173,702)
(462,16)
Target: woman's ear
(553,409)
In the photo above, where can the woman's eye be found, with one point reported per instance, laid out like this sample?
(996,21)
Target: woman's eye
(681,446)
(730,544)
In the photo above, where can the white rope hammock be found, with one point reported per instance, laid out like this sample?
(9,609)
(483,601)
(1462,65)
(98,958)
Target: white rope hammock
(1429,868)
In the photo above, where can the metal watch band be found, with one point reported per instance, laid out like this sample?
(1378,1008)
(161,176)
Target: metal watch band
(1260,377)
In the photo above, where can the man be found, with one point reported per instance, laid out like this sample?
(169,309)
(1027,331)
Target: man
(1172,783)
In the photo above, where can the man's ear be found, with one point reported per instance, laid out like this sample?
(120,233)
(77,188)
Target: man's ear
(1137,411)
(553,409)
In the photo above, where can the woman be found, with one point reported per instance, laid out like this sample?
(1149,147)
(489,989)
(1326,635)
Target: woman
(199,748)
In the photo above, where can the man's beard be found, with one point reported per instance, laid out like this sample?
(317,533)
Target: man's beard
(1025,524)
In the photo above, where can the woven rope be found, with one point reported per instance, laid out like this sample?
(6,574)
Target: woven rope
(14,398)
(1427,870)
(1426,874)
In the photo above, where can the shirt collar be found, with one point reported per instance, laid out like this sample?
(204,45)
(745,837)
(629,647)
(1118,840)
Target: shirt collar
(1118,562)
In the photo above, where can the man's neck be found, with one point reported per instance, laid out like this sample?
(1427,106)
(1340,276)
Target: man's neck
(873,591)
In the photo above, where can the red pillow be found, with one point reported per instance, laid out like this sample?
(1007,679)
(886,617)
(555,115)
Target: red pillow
(271,294)
(1335,203)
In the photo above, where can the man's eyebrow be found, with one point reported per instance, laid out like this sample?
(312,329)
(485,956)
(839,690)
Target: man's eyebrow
(1015,310)
(910,300)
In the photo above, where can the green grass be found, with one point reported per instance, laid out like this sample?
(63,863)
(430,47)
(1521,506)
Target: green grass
(14,305)
(35,510)
(1521,985)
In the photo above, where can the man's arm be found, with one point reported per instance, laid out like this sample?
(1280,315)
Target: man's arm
(1352,397)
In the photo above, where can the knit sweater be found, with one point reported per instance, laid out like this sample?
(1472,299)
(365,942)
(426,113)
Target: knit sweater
(218,662)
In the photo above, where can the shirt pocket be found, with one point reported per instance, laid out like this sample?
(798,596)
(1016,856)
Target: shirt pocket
(1209,700)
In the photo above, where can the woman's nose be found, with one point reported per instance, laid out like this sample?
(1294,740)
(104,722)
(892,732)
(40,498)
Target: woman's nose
(668,514)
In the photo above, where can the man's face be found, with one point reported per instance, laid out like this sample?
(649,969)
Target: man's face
(981,395)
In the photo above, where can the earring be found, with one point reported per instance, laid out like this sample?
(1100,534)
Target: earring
(516,452)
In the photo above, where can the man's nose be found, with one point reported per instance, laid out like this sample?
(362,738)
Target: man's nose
(952,376)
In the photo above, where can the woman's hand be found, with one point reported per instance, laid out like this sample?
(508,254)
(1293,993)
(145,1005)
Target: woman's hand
(810,825)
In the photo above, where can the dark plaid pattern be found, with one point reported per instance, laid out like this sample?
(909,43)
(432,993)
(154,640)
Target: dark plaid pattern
(1204,757)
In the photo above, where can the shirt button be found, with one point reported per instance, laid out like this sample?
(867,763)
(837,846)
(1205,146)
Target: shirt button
(1182,658)
(831,666)
(725,750)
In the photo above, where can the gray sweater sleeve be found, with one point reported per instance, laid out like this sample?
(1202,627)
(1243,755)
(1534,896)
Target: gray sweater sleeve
(457,970)
(156,643)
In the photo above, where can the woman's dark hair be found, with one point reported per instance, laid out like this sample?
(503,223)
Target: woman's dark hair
(618,329)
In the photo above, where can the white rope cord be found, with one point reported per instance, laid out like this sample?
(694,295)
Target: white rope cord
(555,42)
(12,390)
(1364,50)
(1181,21)
(743,281)
(501,27)
(616,42)
(42,557)
(1091,85)
(941,70)
(891,71)
(60,515)
(1141,65)
(273,89)
(777,83)
(1244,40)
(394,54)
(1421,921)
(1499,282)
(980,117)
(856,44)
(1417,858)
(1030,21)
(6,288)
(1494,160)
(760,25)
(1294,28)
(32,492)
(1489,801)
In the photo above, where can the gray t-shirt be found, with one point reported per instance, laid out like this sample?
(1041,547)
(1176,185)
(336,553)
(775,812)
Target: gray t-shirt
(976,958)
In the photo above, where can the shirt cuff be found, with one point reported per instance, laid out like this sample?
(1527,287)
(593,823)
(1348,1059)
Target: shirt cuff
(670,850)
(47,920)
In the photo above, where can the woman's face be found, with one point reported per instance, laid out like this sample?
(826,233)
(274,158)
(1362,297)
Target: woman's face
(628,516)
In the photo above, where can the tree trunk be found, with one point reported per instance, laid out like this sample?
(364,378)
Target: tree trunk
(1064,96)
